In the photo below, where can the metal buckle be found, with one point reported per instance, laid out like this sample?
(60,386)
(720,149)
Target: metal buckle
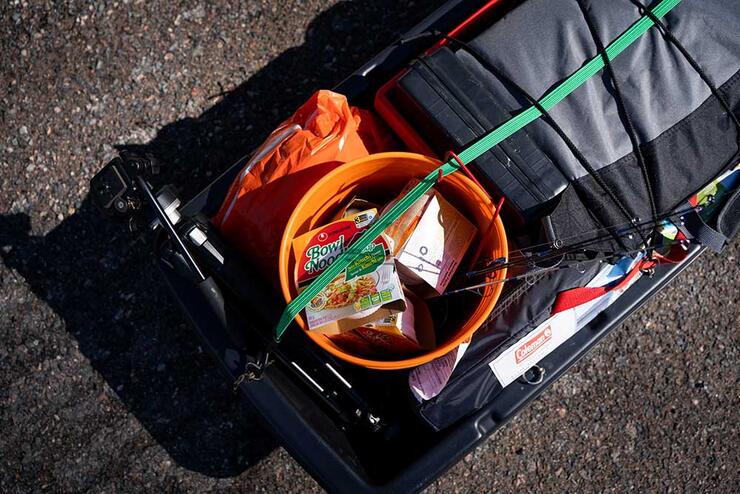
(253,371)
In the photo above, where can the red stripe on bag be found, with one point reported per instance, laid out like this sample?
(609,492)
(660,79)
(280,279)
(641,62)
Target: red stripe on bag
(578,296)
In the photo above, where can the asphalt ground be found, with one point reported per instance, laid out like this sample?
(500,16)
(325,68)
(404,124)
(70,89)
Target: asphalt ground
(102,386)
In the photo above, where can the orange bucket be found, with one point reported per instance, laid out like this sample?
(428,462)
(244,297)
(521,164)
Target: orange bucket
(380,178)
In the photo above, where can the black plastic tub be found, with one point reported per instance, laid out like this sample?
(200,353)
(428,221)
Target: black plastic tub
(407,456)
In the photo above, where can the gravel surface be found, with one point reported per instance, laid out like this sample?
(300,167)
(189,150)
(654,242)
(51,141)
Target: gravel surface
(102,386)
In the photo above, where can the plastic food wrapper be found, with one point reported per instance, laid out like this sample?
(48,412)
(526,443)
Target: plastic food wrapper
(367,290)
(322,134)
(402,333)
(398,334)
(354,206)
(430,239)
(428,380)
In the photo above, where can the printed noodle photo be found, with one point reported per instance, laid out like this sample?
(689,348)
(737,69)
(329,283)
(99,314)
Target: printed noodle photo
(340,293)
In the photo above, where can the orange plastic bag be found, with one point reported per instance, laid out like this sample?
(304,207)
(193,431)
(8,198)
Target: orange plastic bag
(324,133)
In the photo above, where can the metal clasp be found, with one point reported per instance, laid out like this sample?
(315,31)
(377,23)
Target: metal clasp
(538,372)
(253,371)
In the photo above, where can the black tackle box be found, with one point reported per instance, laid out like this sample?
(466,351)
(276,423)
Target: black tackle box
(450,108)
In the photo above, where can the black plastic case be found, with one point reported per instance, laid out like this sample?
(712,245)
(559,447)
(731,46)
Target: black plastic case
(342,460)
(451,109)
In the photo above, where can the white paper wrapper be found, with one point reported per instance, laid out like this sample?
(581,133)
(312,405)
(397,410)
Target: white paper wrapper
(428,380)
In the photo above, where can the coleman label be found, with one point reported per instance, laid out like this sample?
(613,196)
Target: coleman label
(549,335)
(532,344)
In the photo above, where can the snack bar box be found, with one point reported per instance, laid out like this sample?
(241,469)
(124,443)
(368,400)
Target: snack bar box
(339,458)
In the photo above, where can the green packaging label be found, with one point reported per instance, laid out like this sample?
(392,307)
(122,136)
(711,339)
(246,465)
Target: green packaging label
(367,262)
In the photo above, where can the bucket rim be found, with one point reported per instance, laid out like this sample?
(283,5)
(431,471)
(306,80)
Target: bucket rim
(322,340)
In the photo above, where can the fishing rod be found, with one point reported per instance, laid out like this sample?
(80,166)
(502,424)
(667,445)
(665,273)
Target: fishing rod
(627,227)
(559,257)
(531,254)
(543,257)
(559,266)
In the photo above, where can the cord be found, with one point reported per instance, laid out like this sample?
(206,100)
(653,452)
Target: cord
(621,107)
(548,118)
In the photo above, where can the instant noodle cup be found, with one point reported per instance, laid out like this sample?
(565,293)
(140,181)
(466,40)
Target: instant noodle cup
(380,178)
(368,290)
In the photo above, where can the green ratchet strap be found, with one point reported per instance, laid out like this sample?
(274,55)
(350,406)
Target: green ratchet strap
(504,131)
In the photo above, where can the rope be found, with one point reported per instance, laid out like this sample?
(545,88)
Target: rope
(622,108)
(691,60)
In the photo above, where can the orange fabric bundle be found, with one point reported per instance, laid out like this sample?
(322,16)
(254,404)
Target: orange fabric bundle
(322,134)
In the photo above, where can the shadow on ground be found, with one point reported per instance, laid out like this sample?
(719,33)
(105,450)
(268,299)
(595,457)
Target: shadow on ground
(103,283)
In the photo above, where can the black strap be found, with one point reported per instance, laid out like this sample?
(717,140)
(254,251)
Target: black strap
(728,220)
(694,226)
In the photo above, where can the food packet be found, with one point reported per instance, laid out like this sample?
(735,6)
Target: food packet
(398,334)
(367,290)
(407,332)
(431,239)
